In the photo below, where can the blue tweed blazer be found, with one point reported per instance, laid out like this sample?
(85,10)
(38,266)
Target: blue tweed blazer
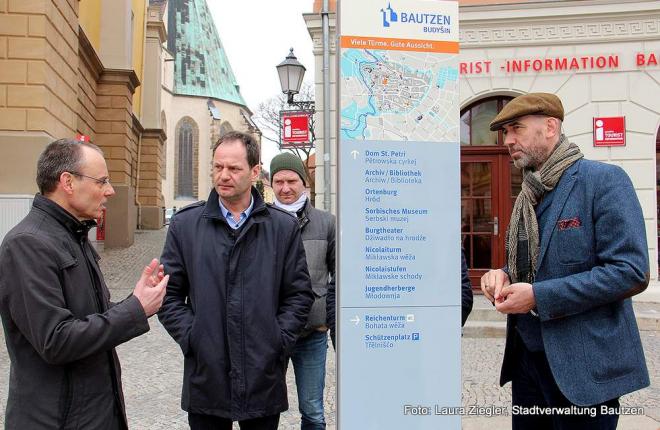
(593,258)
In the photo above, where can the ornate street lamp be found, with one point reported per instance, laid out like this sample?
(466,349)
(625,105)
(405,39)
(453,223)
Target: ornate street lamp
(291,74)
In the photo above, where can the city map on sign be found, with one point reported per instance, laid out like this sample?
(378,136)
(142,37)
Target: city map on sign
(403,96)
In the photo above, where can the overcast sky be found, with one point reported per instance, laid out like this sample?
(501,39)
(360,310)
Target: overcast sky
(257,35)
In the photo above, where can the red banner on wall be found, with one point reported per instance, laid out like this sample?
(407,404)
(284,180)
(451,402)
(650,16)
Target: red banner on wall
(100,226)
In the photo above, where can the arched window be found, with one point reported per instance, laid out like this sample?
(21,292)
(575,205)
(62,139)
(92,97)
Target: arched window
(475,120)
(186,153)
(225,128)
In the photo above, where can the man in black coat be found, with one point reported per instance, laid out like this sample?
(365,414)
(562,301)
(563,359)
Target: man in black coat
(60,326)
(238,297)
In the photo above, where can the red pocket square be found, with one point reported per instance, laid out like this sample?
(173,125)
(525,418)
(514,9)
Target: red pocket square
(565,224)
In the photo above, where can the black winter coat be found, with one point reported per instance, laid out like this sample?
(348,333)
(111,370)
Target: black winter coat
(318,235)
(60,327)
(235,303)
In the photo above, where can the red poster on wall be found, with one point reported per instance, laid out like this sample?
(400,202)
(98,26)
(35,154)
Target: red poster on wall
(610,131)
(100,226)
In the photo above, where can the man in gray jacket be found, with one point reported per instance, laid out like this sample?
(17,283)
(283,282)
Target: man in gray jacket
(60,326)
(318,235)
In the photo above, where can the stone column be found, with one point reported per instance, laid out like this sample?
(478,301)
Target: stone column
(117,137)
(150,185)
(152,145)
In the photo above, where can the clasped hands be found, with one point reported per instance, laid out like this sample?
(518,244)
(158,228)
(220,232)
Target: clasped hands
(508,298)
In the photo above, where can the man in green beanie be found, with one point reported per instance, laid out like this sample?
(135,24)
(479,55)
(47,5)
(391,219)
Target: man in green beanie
(288,180)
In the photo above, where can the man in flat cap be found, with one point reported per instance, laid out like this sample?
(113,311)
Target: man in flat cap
(318,236)
(576,252)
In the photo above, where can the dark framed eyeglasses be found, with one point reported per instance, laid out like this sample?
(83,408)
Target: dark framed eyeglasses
(100,181)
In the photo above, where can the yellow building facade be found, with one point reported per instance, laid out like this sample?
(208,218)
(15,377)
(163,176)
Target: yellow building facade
(71,67)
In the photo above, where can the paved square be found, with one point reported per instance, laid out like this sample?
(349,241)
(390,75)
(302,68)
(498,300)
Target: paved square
(152,365)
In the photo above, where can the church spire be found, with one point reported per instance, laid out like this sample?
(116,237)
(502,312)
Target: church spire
(201,64)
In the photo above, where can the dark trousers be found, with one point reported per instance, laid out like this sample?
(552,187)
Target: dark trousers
(117,420)
(210,422)
(533,387)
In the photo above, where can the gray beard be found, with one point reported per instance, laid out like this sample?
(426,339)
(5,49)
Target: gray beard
(531,161)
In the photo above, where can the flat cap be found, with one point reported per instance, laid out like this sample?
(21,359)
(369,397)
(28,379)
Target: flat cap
(529,104)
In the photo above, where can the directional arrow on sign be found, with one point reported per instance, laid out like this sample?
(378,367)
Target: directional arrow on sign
(356,320)
(354,153)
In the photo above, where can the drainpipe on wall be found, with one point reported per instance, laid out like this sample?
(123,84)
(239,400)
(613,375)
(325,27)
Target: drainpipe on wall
(137,183)
(326,108)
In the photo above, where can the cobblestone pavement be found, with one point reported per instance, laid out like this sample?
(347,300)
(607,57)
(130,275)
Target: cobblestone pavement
(152,364)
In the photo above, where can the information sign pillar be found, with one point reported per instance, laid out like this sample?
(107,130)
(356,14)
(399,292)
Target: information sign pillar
(399,283)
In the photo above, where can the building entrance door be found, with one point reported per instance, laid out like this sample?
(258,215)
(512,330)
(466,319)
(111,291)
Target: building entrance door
(489,184)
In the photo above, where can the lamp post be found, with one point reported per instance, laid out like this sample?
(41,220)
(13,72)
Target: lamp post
(291,73)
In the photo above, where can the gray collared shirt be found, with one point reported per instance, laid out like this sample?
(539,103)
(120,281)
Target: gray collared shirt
(230,219)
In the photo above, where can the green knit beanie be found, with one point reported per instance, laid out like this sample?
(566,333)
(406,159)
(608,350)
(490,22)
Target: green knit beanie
(287,161)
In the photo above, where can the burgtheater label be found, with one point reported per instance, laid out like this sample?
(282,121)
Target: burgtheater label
(558,64)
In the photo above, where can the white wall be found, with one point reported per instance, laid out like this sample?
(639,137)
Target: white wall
(495,33)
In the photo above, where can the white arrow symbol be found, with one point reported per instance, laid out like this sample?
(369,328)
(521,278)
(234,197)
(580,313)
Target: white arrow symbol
(354,153)
(355,320)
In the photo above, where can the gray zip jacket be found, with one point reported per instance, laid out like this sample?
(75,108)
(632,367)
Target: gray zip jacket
(318,236)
